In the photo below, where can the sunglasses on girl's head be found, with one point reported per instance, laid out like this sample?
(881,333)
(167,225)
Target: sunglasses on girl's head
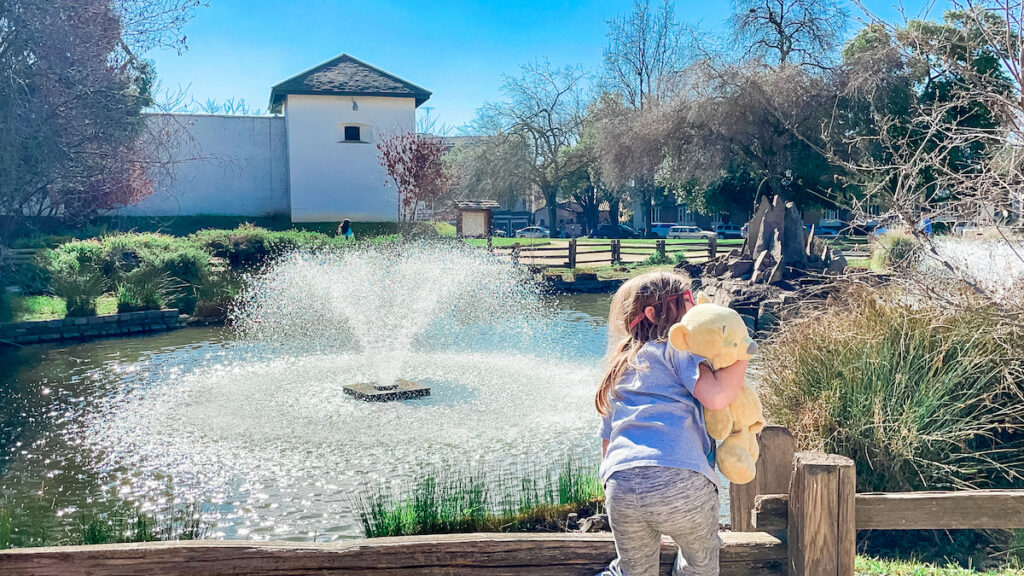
(687,298)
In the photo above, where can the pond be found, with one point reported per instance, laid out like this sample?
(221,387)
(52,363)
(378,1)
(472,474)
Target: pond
(256,429)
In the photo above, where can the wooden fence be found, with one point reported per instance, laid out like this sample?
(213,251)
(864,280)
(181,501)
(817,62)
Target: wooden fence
(15,257)
(587,252)
(799,517)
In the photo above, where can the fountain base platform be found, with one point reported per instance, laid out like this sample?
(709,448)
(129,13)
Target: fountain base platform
(402,390)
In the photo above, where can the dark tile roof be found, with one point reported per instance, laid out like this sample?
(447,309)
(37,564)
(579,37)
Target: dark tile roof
(346,76)
(476,204)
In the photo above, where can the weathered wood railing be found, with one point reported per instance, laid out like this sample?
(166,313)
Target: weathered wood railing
(588,252)
(800,517)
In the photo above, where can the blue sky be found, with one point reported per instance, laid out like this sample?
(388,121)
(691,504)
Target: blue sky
(456,49)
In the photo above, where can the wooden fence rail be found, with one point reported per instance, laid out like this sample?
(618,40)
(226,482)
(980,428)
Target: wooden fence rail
(603,252)
(452,554)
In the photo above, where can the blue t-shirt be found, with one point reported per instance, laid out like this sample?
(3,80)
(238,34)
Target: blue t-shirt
(654,419)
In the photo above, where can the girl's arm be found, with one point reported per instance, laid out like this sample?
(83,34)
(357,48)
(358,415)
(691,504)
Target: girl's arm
(604,447)
(717,389)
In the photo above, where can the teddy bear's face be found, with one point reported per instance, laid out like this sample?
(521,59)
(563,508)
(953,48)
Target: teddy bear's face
(714,332)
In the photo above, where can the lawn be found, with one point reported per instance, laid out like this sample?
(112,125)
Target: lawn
(506,242)
(877,567)
(28,308)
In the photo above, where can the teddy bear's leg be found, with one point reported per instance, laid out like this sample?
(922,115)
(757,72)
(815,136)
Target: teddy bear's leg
(734,458)
(718,422)
(752,446)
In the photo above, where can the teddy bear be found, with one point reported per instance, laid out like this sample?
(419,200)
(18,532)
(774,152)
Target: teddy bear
(718,334)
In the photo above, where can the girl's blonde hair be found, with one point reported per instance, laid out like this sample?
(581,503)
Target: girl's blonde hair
(630,301)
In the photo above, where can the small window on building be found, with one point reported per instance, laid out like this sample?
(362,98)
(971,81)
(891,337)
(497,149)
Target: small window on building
(656,214)
(352,134)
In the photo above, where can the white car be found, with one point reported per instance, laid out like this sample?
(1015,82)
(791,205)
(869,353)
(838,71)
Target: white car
(967,229)
(533,232)
(661,228)
(678,232)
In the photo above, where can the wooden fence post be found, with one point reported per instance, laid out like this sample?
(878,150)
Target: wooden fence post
(659,246)
(616,252)
(774,468)
(515,254)
(712,247)
(822,530)
(572,254)
(490,245)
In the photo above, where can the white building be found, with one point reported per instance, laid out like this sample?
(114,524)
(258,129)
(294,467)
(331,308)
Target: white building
(315,160)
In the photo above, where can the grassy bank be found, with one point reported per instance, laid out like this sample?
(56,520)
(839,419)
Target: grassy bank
(869,566)
(456,501)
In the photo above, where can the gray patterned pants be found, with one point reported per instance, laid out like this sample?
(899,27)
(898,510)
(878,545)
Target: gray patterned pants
(644,503)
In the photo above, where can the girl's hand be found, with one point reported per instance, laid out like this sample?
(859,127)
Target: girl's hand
(716,390)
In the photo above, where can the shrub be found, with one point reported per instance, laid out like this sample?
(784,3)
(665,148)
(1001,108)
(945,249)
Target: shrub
(249,245)
(657,259)
(143,288)
(679,258)
(895,249)
(183,264)
(918,396)
(216,294)
(76,276)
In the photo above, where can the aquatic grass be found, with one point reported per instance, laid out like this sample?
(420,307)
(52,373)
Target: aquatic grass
(452,501)
(5,529)
(126,524)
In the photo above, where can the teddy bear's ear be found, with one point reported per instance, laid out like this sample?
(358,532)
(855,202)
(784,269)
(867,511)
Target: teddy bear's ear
(702,298)
(677,337)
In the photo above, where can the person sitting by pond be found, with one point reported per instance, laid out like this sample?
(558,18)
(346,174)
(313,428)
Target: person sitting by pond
(345,231)
(657,458)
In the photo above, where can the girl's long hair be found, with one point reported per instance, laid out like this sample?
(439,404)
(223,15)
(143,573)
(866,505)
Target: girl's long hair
(648,289)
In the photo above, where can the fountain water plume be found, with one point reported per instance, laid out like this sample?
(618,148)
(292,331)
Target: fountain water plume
(379,300)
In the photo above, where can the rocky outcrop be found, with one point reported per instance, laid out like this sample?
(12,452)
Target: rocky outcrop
(778,260)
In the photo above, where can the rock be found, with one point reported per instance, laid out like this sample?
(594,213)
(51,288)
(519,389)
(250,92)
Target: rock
(768,313)
(741,268)
(572,521)
(777,271)
(595,523)
(837,265)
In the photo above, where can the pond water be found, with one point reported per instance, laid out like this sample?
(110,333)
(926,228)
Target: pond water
(266,441)
(252,424)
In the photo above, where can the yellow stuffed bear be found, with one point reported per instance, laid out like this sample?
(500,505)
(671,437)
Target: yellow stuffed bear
(718,334)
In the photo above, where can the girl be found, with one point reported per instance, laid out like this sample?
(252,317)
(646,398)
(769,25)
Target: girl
(657,457)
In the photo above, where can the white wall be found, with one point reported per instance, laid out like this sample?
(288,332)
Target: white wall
(330,179)
(228,165)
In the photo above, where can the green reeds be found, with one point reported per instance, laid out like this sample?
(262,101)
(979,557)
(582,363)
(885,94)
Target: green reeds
(454,501)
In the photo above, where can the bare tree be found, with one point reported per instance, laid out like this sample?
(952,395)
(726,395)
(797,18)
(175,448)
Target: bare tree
(953,152)
(544,108)
(646,49)
(803,32)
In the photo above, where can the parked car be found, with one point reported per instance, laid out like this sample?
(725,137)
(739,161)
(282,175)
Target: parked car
(619,231)
(728,231)
(677,232)
(966,229)
(533,232)
(743,231)
(661,228)
(499,233)
(822,231)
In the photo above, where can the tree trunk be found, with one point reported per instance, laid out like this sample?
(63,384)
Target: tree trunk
(613,212)
(551,197)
